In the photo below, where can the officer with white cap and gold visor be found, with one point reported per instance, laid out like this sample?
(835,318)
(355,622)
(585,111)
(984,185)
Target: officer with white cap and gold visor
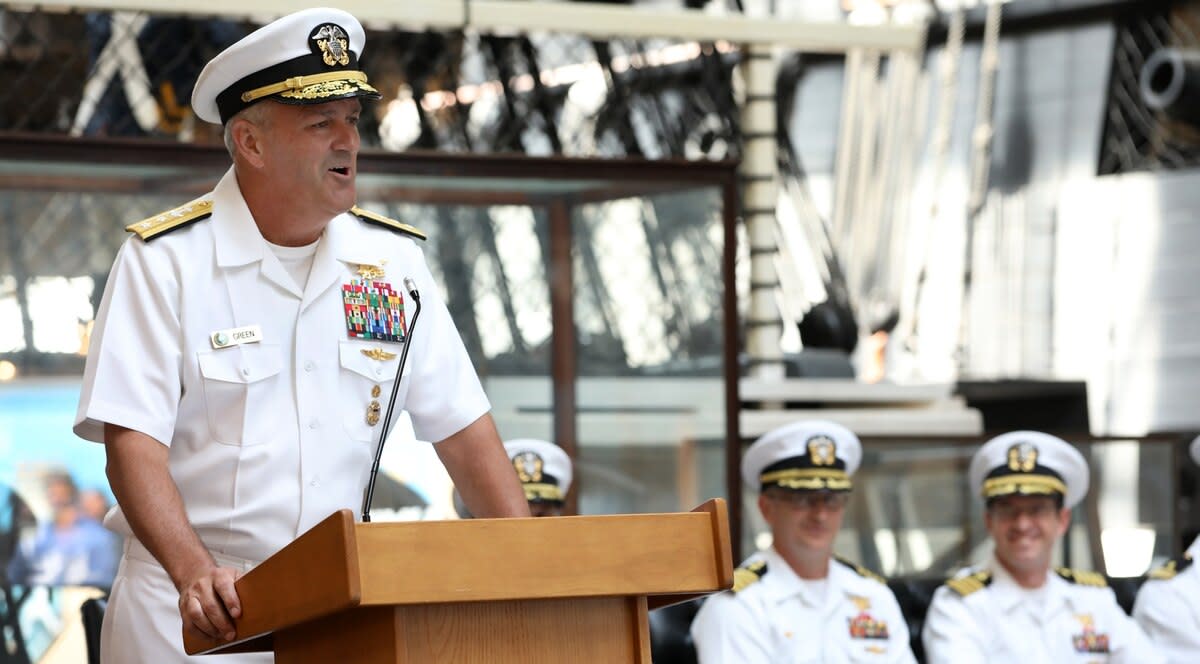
(545,473)
(797,602)
(1168,604)
(544,470)
(1015,607)
(248,341)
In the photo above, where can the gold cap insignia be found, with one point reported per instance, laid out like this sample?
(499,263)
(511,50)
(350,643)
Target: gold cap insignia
(1022,457)
(528,466)
(822,450)
(331,43)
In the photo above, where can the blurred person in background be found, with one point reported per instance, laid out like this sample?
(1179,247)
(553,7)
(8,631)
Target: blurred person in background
(545,472)
(1016,607)
(1168,604)
(70,549)
(94,504)
(797,602)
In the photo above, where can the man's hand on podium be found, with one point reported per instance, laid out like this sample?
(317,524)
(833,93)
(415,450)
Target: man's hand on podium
(209,603)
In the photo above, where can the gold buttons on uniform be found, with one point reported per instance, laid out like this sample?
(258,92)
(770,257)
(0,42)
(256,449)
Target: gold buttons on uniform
(375,391)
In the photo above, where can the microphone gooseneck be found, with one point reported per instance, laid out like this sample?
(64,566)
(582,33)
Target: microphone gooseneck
(411,287)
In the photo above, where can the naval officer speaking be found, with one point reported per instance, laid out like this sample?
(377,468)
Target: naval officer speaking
(248,340)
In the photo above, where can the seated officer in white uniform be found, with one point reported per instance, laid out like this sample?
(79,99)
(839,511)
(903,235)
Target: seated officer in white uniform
(1014,608)
(248,341)
(545,473)
(797,602)
(1168,605)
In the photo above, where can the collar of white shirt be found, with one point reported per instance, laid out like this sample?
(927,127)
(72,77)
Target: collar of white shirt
(1006,594)
(787,584)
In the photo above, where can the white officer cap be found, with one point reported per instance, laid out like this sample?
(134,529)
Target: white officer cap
(309,57)
(1196,449)
(809,455)
(1029,463)
(543,468)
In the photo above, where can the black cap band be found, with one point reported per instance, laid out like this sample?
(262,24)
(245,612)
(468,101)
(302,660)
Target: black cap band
(229,101)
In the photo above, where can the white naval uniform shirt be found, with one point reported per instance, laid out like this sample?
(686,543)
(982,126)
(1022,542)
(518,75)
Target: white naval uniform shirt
(1169,611)
(266,439)
(778,620)
(1001,624)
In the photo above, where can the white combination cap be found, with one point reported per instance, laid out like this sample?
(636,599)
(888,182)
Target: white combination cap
(809,455)
(1029,463)
(543,468)
(309,57)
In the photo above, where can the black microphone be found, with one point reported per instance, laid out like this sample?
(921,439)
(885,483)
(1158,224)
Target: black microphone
(411,287)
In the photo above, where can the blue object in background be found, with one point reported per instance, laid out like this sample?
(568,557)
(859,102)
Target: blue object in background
(35,432)
(36,439)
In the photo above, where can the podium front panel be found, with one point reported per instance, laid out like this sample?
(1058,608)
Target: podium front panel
(603,630)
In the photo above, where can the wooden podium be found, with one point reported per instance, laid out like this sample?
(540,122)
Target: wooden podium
(486,591)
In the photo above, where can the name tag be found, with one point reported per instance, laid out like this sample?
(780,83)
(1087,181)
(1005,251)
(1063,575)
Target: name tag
(236,336)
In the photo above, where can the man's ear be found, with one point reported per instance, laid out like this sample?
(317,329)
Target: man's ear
(1064,520)
(247,142)
(764,507)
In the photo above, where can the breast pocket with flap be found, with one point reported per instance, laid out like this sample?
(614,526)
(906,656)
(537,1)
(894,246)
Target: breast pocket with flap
(240,386)
(368,371)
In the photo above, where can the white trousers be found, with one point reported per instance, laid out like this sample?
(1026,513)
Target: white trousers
(142,622)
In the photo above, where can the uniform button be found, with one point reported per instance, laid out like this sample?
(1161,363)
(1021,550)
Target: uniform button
(309,366)
(314,423)
(245,371)
(315,482)
(378,371)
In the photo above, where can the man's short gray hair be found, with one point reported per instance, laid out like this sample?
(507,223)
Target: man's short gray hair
(255,114)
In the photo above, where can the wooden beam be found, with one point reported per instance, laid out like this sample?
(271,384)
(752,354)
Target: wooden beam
(589,19)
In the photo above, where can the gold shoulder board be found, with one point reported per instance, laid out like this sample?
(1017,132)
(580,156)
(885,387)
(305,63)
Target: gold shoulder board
(965,585)
(170,220)
(861,571)
(748,575)
(1083,578)
(380,220)
(1171,568)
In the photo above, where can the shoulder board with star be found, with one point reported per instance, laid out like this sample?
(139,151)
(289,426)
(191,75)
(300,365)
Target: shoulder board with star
(971,583)
(1081,577)
(164,222)
(380,220)
(861,571)
(1171,568)
(748,575)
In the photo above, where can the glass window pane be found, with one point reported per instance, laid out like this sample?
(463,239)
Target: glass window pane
(648,312)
